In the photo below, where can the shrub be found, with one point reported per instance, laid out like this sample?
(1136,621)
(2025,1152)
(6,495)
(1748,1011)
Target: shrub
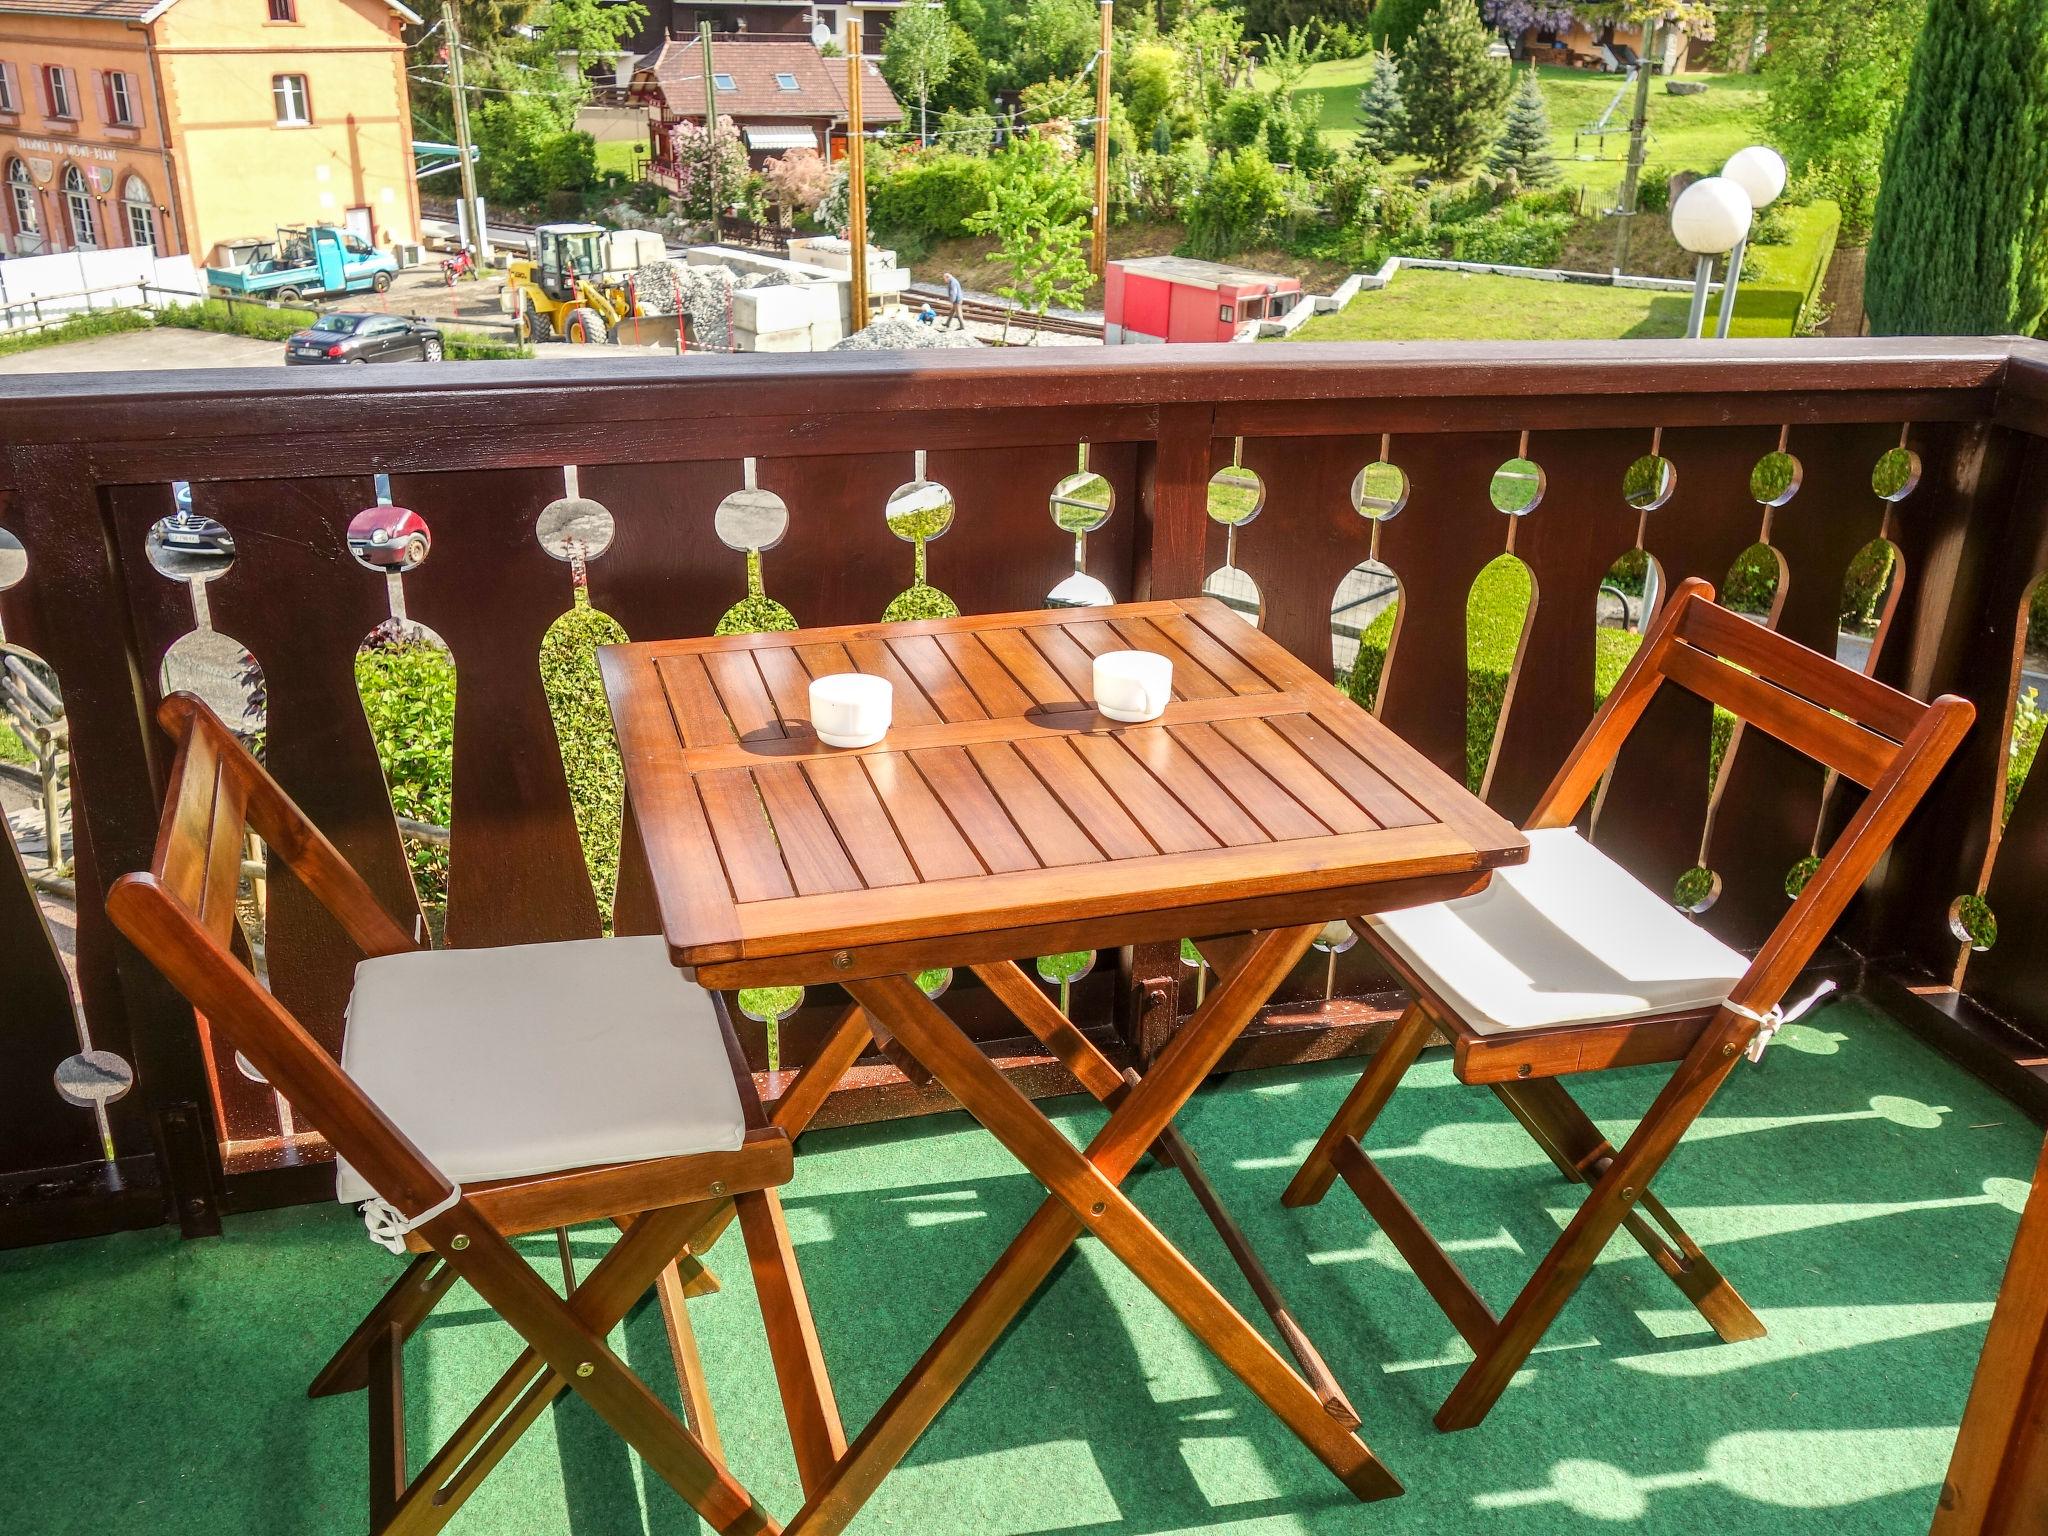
(237,318)
(475,346)
(1653,188)
(408,691)
(583,726)
(1511,235)
(1241,205)
(930,195)
(77,328)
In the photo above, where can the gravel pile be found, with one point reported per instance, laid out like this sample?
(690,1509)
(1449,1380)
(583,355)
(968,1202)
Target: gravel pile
(895,332)
(703,294)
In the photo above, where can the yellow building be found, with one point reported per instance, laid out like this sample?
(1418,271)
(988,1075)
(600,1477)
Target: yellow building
(185,124)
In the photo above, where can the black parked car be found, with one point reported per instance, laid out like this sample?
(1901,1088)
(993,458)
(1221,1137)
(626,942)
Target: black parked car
(187,532)
(365,339)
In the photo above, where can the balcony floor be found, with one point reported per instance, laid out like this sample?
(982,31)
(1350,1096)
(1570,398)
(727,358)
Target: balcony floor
(1861,1191)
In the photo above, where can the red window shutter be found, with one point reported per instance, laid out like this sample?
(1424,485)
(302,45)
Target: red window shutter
(43,78)
(103,88)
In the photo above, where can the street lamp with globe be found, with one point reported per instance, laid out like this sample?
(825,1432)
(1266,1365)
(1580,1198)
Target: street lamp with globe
(1760,171)
(1710,218)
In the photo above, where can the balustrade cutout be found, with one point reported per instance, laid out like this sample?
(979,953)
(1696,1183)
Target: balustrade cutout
(221,670)
(189,545)
(1896,474)
(1498,612)
(13,560)
(1081,503)
(1797,876)
(583,732)
(405,675)
(1064,970)
(1647,483)
(1870,590)
(576,530)
(1380,490)
(1337,937)
(1235,588)
(1697,890)
(1972,921)
(1518,485)
(1365,618)
(91,1080)
(1621,612)
(768,1007)
(751,521)
(390,540)
(1776,478)
(918,512)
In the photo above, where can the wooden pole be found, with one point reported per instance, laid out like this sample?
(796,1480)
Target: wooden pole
(458,93)
(856,184)
(1099,252)
(710,127)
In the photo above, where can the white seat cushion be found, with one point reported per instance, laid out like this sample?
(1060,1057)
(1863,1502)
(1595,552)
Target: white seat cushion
(1568,937)
(540,1057)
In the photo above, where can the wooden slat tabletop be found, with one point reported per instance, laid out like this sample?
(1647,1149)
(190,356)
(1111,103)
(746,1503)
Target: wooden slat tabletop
(1000,800)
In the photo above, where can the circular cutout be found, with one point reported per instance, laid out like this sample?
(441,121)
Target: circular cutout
(1797,876)
(575,528)
(220,671)
(770,1005)
(933,983)
(1079,590)
(1517,487)
(1189,955)
(1379,490)
(1697,889)
(1064,970)
(248,1069)
(1775,479)
(921,509)
(13,560)
(1971,919)
(386,538)
(1896,474)
(1337,936)
(188,545)
(751,521)
(1647,484)
(1235,496)
(93,1077)
(1081,503)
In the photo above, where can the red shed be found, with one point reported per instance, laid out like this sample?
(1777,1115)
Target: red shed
(1173,298)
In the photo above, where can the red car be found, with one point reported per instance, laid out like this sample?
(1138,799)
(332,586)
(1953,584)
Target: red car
(388,535)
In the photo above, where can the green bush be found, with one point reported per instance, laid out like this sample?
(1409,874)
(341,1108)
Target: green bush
(475,346)
(583,727)
(1511,236)
(238,318)
(408,690)
(1241,205)
(929,195)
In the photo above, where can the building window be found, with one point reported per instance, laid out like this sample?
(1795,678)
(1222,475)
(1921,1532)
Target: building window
(21,199)
(139,209)
(78,207)
(283,10)
(121,100)
(785,82)
(10,90)
(294,107)
(58,91)
(722,80)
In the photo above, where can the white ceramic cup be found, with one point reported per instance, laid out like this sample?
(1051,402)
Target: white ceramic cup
(851,709)
(1133,685)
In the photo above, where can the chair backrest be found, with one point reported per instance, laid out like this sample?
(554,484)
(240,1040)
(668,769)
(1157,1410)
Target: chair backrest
(1887,741)
(181,914)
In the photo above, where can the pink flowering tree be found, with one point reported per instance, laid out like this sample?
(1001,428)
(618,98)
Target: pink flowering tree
(703,160)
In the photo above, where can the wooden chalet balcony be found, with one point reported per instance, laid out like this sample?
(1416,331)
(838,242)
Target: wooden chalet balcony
(479,450)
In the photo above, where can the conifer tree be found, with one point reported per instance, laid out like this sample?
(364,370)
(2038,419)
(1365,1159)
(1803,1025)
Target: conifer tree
(1959,243)
(1382,114)
(1453,86)
(1523,148)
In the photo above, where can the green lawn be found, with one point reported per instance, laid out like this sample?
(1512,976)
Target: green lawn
(1686,132)
(1437,306)
(617,155)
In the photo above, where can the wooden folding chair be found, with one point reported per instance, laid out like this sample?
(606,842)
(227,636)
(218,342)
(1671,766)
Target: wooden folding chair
(483,1094)
(1568,964)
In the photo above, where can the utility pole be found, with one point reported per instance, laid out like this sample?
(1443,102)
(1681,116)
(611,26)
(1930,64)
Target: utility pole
(710,127)
(856,183)
(1638,144)
(1099,253)
(472,205)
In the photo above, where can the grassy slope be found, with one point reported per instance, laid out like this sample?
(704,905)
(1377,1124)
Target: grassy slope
(1686,132)
(1429,306)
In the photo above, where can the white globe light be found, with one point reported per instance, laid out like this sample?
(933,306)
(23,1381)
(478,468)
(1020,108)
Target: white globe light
(1710,216)
(1760,171)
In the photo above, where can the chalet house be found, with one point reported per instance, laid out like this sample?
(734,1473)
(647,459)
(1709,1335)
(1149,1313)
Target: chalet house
(1597,43)
(780,93)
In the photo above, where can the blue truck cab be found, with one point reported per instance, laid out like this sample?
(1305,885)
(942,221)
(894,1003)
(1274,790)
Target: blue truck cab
(321,260)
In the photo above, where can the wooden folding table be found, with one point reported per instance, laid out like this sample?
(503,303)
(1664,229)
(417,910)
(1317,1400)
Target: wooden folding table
(1003,818)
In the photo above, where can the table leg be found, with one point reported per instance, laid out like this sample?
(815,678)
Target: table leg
(1083,1195)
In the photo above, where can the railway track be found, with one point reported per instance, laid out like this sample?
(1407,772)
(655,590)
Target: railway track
(994,314)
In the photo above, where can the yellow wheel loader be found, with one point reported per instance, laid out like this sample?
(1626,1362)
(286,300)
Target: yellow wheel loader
(577,289)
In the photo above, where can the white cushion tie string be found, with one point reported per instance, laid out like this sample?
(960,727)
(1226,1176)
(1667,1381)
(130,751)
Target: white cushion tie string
(1777,1017)
(388,1226)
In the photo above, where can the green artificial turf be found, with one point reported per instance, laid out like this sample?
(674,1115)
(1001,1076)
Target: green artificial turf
(1859,1190)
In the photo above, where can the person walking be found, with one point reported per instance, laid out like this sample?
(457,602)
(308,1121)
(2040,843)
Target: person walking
(956,296)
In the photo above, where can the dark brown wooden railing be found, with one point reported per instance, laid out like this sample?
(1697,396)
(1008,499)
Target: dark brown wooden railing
(284,461)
